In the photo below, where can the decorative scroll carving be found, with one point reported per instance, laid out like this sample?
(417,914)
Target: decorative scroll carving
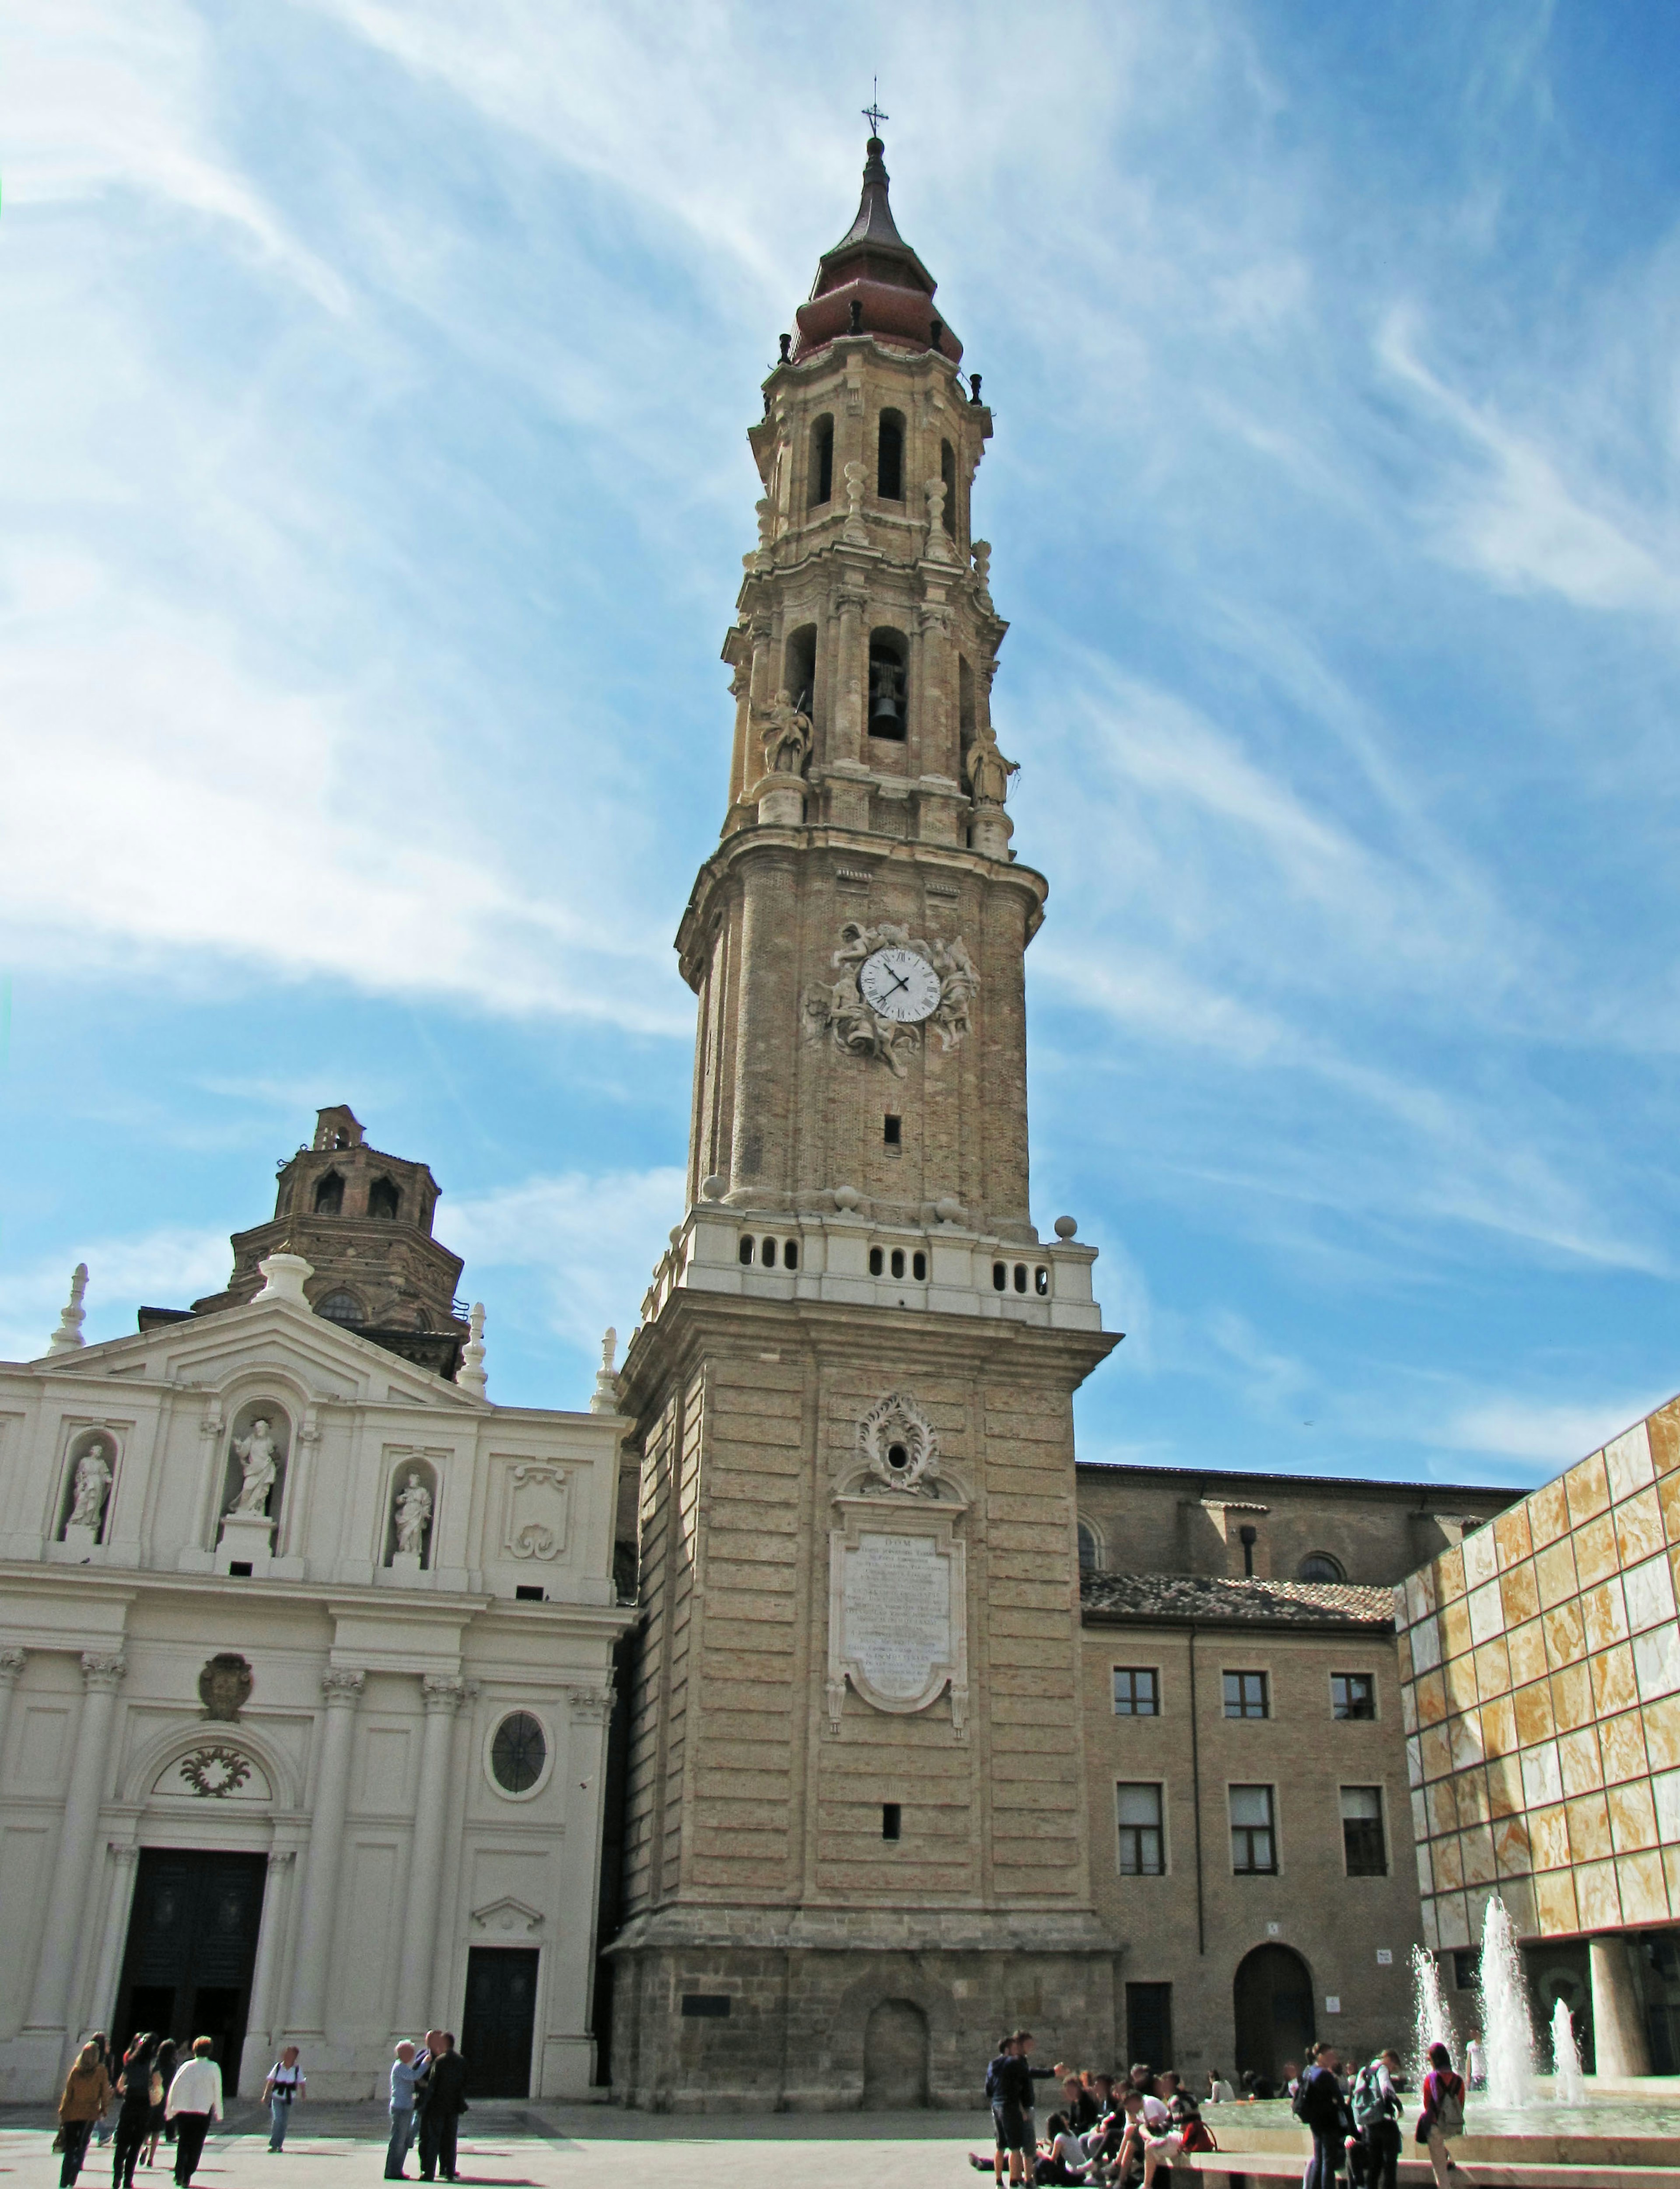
(838,1010)
(537,1510)
(897,1444)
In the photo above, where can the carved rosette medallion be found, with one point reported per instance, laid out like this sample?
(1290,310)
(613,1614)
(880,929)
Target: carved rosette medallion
(838,1010)
(896,1442)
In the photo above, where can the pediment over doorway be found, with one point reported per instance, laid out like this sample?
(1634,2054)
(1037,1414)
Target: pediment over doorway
(508,1913)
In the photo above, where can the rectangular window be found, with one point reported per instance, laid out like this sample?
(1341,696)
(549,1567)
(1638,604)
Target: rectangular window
(1253,1843)
(1362,1832)
(1137,1694)
(1353,1694)
(1246,1695)
(893,1133)
(1140,1842)
(1149,2023)
(703,2006)
(893,1819)
(1466,1973)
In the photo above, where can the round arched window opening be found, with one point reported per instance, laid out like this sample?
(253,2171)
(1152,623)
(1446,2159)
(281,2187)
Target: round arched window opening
(1318,1565)
(342,1307)
(898,1458)
(518,1754)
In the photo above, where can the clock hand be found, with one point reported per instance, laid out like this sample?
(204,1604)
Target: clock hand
(901,983)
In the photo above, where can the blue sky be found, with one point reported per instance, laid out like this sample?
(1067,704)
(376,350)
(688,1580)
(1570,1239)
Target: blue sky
(375,386)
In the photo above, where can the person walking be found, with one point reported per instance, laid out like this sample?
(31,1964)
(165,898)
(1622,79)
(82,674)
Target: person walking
(443,2102)
(195,2100)
(134,2116)
(1320,2104)
(1375,2108)
(1475,2061)
(102,2126)
(86,2094)
(162,2074)
(1443,2113)
(285,2085)
(408,2070)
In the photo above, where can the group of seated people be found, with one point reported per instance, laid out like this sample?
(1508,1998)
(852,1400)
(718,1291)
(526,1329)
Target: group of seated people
(1112,2130)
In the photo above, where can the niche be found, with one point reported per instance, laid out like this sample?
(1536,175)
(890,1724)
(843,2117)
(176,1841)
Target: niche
(799,667)
(330,1195)
(889,684)
(89,1475)
(822,464)
(410,1516)
(383,1199)
(890,457)
(253,1474)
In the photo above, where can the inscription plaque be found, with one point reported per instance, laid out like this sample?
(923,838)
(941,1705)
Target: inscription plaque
(897,1612)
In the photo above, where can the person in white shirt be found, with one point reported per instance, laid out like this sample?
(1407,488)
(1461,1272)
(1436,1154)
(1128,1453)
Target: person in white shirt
(1220,2091)
(286,2084)
(1475,2062)
(195,2100)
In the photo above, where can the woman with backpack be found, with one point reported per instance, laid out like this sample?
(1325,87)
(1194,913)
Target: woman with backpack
(133,2119)
(1376,2110)
(1443,2113)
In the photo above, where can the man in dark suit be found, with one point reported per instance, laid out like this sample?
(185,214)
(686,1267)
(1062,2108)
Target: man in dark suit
(445,2102)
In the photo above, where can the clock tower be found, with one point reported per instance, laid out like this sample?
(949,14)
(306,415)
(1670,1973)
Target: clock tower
(855,1837)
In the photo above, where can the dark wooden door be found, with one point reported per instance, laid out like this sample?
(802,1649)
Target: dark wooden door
(499,2020)
(1273,1998)
(192,1942)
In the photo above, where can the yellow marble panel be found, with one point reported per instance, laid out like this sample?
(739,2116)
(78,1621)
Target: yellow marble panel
(1443,1808)
(1427,1578)
(1448,1859)
(1437,1753)
(1548,1512)
(1595,1551)
(1403,1652)
(1668,1499)
(1638,1528)
(1520,1593)
(1554,1893)
(1670,1870)
(1431,1693)
(1554,1574)
(1549,1838)
(1627,1463)
(1587,1488)
(1597,1896)
(1493,1670)
(1644,1890)
(1527,1645)
(1499,1727)
(1426,1875)
(1459,1674)
(1565,1635)
(1470,1788)
(1517,1894)
(1579,1761)
(1477,1848)
(1604,1613)
(1452,1920)
(1511,1536)
(1455,1629)
(1621,1742)
(1504,1786)
(1510,1852)
(1633,1816)
(1533,1706)
(1614,1686)
(1432,1929)
(1662,1731)
(1481,1559)
(1408,1706)
(1487,1612)
(1465,1735)
(1663,1429)
(1572,1697)
(1589,1828)
(1449,1572)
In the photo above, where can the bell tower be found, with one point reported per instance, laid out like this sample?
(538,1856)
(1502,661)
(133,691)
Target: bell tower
(856,1835)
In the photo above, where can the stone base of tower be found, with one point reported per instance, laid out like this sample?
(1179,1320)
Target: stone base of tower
(894,2015)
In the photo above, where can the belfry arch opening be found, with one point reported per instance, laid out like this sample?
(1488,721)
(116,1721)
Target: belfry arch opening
(890,457)
(799,666)
(821,463)
(889,684)
(330,1195)
(383,1200)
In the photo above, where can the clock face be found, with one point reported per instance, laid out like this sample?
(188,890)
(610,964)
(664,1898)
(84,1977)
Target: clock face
(899,985)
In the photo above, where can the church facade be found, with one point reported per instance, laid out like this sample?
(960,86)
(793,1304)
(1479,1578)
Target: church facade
(305,1667)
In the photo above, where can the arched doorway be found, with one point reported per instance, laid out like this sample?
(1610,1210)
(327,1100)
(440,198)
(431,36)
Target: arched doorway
(895,2056)
(1273,1996)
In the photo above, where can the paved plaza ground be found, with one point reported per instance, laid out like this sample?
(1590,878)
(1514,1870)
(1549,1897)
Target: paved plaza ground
(533,2146)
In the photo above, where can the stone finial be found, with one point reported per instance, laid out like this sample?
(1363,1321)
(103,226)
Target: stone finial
(471,1378)
(72,1315)
(605,1400)
(939,547)
(1066,1226)
(284,1276)
(714,1187)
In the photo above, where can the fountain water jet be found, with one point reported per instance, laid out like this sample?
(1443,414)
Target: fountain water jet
(1569,2090)
(1507,2031)
(1429,2022)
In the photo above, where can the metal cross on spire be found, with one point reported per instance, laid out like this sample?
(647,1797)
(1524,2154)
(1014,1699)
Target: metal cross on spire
(872,112)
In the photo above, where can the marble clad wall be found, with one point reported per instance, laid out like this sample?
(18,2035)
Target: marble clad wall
(1540,1662)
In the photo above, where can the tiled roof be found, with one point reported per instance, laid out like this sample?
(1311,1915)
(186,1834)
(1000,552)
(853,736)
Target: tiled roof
(1266,1602)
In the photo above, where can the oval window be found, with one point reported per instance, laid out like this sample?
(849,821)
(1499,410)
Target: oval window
(518,1753)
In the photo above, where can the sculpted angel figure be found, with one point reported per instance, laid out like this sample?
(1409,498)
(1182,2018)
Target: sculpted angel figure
(259,1460)
(988,771)
(787,741)
(413,1510)
(93,1479)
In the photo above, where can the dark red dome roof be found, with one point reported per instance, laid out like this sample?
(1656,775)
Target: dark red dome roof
(872,271)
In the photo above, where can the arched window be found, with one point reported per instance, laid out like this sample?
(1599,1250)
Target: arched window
(822,461)
(1090,1558)
(330,1195)
(342,1307)
(799,666)
(1318,1565)
(889,684)
(383,1199)
(890,457)
(947,472)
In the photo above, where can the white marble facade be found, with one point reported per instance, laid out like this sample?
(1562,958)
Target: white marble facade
(387,1641)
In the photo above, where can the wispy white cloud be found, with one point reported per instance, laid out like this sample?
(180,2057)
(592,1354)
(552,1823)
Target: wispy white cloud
(164,1268)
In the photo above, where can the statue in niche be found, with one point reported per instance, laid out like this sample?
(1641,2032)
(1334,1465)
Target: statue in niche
(787,741)
(414,1511)
(87,1495)
(988,773)
(260,1459)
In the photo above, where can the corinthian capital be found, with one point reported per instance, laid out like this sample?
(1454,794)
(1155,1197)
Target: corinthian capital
(103,1668)
(443,1691)
(343,1686)
(12,1662)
